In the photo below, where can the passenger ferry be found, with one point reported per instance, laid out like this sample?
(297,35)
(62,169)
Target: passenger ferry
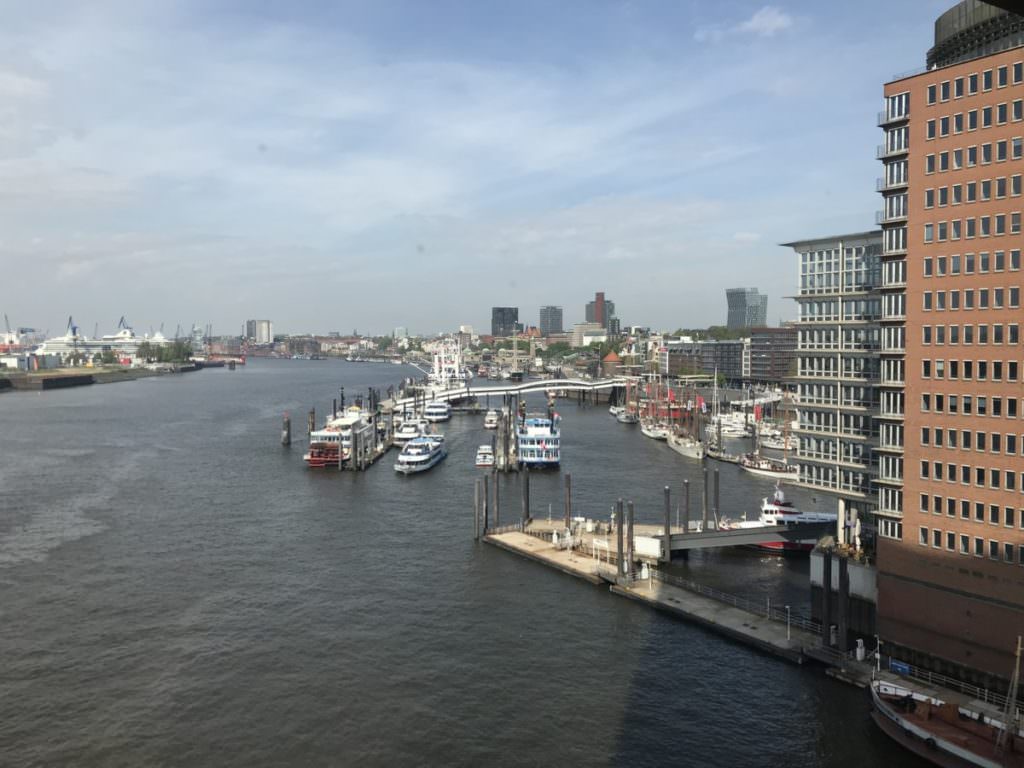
(491,420)
(437,411)
(779,511)
(410,429)
(335,437)
(538,441)
(420,454)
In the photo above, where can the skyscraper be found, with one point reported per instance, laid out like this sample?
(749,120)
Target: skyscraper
(747,308)
(550,320)
(951,513)
(504,320)
(600,311)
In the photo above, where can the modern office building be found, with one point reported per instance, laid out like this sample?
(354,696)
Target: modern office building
(772,354)
(259,331)
(504,321)
(747,308)
(550,320)
(951,558)
(838,341)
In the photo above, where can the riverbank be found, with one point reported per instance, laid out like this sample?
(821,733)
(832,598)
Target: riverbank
(62,378)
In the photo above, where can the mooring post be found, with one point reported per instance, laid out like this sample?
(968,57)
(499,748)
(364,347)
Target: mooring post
(568,501)
(619,526)
(286,430)
(497,500)
(704,502)
(310,421)
(526,496)
(717,511)
(334,408)
(630,541)
(476,510)
(686,506)
(667,556)
(826,599)
(486,503)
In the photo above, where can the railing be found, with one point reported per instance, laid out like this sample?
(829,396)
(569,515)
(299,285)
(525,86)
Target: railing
(944,681)
(505,529)
(886,117)
(766,609)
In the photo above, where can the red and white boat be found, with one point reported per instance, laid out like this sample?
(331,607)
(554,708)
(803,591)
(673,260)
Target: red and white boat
(779,511)
(336,437)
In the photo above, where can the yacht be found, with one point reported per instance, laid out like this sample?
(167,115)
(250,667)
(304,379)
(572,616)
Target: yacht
(627,417)
(653,429)
(686,446)
(437,411)
(779,511)
(538,441)
(420,454)
(485,456)
(491,420)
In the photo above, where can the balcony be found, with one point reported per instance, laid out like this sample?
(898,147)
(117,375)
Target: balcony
(881,185)
(883,151)
(884,118)
(881,217)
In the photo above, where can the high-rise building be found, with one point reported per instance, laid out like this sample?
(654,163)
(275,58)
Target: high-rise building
(601,311)
(504,321)
(259,331)
(550,320)
(772,354)
(250,330)
(747,308)
(951,509)
(837,366)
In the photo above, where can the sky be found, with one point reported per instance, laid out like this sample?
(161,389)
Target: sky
(339,166)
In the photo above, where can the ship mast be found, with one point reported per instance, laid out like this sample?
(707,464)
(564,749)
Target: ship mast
(1010,711)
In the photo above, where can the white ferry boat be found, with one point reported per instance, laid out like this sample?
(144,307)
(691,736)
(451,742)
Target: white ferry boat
(410,429)
(437,411)
(420,454)
(779,511)
(485,456)
(538,441)
(491,420)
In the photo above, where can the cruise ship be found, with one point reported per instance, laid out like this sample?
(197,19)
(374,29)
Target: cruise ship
(539,441)
(73,342)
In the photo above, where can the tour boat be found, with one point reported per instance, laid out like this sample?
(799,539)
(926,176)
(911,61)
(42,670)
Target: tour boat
(538,441)
(767,467)
(335,437)
(686,446)
(437,411)
(945,733)
(420,454)
(485,456)
(653,429)
(491,420)
(410,429)
(779,511)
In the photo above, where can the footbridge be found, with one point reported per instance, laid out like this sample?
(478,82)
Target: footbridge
(466,391)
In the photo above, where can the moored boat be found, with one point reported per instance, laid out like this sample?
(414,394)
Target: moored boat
(332,444)
(768,467)
(654,430)
(491,420)
(437,411)
(420,454)
(615,410)
(780,511)
(539,441)
(485,456)
(686,446)
(627,417)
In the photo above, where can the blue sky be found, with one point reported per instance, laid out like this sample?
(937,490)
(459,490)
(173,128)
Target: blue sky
(340,165)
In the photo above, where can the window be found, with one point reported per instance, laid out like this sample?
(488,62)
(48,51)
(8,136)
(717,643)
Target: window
(929,164)
(1018,72)
(956,193)
(979,544)
(1017,109)
(1001,187)
(929,198)
(929,233)
(923,537)
(1015,185)
(968,263)
(972,86)
(1016,147)
(1002,76)
(943,196)
(943,161)
(986,153)
(929,132)
(972,187)
(1001,151)
(958,122)
(986,117)
(986,81)
(944,88)
(958,88)
(931,92)
(965,544)
(972,120)
(1015,223)
(1002,113)
(944,126)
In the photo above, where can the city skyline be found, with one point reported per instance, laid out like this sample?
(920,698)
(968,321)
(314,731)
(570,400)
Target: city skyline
(255,178)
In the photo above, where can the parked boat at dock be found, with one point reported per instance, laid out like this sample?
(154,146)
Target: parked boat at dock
(780,511)
(437,411)
(539,442)
(410,430)
(945,733)
(768,467)
(686,446)
(654,430)
(335,437)
(627,417)
(420,454)
(491,420)
(485,456)
(615,410)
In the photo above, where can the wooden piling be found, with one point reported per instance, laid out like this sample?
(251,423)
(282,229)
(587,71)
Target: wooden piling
(630,539)
(704,502)
(568,501)
(497,500)
(716,507)
(618,531)
(526,496)
(476,510)
(310,421)
(286,430)
(667,555)
(486,503)
(686,506)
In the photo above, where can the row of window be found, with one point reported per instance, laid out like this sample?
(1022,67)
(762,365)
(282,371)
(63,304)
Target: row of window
(970,370)
(988,298)
(959,87)
(993,514)
(969,157)
(997,114)
(940,402)
(969,228)
(970,192)
(1004,551)
(965,474)
(968,439)
(996,262)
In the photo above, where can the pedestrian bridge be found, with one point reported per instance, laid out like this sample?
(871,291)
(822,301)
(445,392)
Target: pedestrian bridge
(466,391)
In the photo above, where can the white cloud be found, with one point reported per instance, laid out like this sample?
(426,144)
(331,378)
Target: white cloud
(767,21)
